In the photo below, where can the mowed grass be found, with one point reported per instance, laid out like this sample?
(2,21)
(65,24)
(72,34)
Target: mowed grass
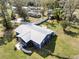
(65,46)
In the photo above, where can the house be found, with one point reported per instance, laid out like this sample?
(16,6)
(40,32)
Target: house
(32,34)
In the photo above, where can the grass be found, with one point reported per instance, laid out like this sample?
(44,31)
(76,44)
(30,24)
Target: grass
(64,46)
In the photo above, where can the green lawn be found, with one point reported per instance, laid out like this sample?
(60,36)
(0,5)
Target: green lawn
(65,45)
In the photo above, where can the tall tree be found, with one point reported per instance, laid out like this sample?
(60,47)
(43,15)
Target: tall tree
(69,6)
(19,4)
(6,22)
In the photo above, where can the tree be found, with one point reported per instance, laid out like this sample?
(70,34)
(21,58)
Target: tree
(19,4)
(68,7)
(6,22)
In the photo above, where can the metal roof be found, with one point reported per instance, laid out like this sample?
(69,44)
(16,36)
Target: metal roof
(32,32)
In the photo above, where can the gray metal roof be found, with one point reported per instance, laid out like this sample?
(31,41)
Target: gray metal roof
(32,32)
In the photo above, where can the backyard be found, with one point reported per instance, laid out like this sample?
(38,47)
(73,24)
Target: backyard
(64,46)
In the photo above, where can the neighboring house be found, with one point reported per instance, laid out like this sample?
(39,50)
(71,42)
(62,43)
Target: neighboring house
(32,34)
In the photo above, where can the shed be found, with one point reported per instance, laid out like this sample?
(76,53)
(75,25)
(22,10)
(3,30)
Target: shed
(36,34)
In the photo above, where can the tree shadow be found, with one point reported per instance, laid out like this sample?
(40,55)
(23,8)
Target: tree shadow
(50,24)
(60,57)
(75,27)
(2,41)
(73,34)
(7,37)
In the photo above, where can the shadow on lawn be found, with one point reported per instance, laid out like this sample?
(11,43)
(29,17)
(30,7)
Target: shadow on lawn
(73,34)
(48,49)
(75,27)
(60,57)
(2,41)
(7,37)
(52,24)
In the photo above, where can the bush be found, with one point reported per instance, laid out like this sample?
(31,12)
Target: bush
(7,24)
(58,13)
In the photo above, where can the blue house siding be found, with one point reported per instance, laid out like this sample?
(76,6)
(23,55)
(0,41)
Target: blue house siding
(17,33)
(23,44)
(47,39)
(36,45)
(17,38)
